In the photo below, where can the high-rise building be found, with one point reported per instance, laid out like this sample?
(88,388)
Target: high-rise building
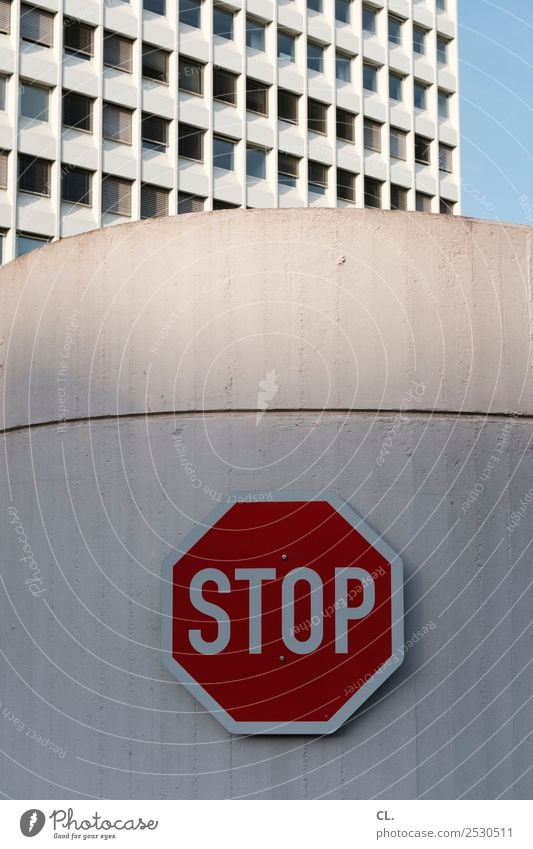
(117,110)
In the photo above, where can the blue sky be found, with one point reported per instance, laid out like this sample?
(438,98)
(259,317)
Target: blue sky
(496,71)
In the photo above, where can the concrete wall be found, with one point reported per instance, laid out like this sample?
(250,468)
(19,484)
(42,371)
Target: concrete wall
(402,350)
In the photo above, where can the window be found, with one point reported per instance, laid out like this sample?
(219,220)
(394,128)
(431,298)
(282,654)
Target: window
(34,101)
(158,7)
(27,242)
(369,20)
(223,153)
(372,193)
(345,125)
(317,178)
(116,195)
(34,175)
(36,25)
(223,204)
(154,201)
(288,168)
(395,86)
(441,5)
(442,50)
(423,202)
(255,34)
(372,135)
(191,76)
(287,106)
(76,185)
(447,207)
(419,41)
(370,77)
(255,162)
(191,142)
(444,104)
(315,57)
(445,158)
(190,203)
(4,156)
(343,67)
(155,63)
(154,132)
(345,185)
(116,124)
(314,5)
(224,86)
(342,11)
(395,30)
(286,45)
(223,22)
(117,52)
(398,197)
(317,116)
(77,37)
(398,143)
(256,96)
(5,16)
(3,81)
(190,13)
(77,111)
(422,150)
(420,94)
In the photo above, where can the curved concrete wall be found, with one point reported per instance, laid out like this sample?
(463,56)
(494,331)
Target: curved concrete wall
(396,351)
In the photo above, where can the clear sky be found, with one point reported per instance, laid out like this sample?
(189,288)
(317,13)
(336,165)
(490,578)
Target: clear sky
(496,68)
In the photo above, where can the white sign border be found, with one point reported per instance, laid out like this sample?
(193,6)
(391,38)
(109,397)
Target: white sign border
(362,694)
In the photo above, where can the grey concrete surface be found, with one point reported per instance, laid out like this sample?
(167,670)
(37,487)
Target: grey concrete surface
(401,351)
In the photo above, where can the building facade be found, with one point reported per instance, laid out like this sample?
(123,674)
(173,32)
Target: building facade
(121,110)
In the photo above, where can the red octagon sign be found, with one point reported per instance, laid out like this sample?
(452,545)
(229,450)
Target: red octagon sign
(282,616)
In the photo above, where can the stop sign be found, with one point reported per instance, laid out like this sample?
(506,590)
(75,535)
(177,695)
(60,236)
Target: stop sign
(282,616)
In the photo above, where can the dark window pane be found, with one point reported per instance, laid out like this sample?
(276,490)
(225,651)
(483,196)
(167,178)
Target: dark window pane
(76,185)
(256,162)
(286,45)
(77,37)
(398,197)
(224,86)
(77,111)
(317,115)
(34,175)
(190,13)
(117,52)
(345,185)
(223,153)
(288,106)
(190,142)
(345,125)
(116,195)
(222,22)
(255,34)
(191,76)
(154,201)
(155,63)
(189,203)
(154,130)
(372,193)
(257,96)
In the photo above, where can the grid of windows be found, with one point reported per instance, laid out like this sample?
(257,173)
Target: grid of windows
(157,101)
